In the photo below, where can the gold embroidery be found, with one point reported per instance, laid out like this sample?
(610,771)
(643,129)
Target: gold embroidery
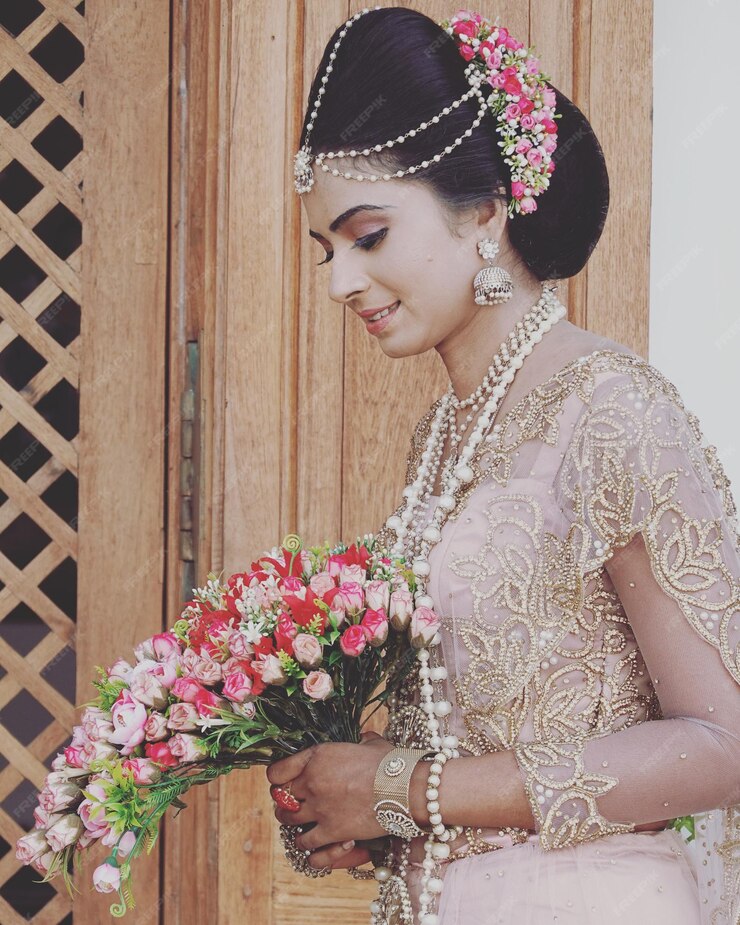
(545,659)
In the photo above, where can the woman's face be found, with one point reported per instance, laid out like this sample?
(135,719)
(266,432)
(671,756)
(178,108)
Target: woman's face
(398,249)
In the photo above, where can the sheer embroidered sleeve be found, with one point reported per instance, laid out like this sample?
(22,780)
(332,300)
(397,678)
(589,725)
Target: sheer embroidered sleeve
(652,506)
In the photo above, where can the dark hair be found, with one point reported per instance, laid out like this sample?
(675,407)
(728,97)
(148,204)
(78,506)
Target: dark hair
(396,68)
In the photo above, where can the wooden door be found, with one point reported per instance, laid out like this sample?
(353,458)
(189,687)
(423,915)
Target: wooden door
(217,384)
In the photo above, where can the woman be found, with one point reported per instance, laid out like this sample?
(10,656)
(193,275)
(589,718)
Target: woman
(584,554)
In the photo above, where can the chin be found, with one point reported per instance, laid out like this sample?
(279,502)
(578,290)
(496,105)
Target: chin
(397,351)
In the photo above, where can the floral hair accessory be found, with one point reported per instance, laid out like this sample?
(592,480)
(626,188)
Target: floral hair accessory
(523,106)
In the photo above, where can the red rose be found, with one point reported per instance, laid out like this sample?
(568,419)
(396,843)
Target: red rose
(160,754)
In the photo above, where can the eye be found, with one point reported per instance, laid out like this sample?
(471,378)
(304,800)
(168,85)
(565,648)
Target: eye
(367,243)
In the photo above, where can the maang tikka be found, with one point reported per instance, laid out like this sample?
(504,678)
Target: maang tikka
(492,284)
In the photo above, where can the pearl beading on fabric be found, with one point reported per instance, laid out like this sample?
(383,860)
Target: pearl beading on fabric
(415,539)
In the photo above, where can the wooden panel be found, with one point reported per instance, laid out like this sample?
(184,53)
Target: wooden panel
(122,473)
(621,111)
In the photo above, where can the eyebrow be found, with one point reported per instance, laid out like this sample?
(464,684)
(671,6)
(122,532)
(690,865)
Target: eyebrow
(346,216)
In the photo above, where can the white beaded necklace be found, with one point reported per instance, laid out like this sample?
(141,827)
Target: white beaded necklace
(415,539)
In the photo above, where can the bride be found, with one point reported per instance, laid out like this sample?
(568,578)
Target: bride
(580,704)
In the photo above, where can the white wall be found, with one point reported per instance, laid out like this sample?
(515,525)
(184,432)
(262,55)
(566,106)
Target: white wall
(695,228)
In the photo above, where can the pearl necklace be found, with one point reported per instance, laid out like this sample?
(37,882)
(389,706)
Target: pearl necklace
(415,539)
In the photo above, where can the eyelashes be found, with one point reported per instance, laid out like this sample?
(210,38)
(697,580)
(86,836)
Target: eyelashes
(367,243)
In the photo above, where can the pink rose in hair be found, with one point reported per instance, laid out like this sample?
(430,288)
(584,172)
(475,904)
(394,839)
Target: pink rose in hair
(513,111)
(517,189)
(527,122)
(467,52)
(534,156)
(528,204)
(318,685)
(353,641)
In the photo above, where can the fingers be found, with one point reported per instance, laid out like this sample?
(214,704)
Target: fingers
(369,736)
(289,768)
(286,817)
(339,856)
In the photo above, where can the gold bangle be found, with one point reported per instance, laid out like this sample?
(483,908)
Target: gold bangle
(391,791)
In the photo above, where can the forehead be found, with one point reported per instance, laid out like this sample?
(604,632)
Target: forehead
(331,196)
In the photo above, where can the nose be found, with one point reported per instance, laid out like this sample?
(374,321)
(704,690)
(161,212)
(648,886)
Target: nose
(347,279)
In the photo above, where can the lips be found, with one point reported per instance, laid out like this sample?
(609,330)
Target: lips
(388,308)
(368,313)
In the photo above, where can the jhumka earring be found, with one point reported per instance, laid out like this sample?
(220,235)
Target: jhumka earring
(492,284)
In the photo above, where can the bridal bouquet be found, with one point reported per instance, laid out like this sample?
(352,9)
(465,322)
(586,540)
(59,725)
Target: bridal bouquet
(284,656)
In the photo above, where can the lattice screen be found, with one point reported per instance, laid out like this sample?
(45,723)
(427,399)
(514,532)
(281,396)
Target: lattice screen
(41,53)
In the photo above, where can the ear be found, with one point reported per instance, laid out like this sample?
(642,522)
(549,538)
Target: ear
(492,217)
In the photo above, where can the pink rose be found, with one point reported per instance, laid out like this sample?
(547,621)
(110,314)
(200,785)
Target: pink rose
(528,204)
(207,701)
(187,748)
(97,725)
(41,818)
(56,796)
(186,689)
(424,626)
(238,645)
(400,608)
(517,189)
(272,670)
(237,686)
(352,573)
(318,685)
(155,728)
(148,690)
(286,627)
(207,671)
(377,595)
(466,27)
(321,583)
(144,770)
(292,584)
(247,709)
(128,715)
(120,670)
(30,847)
(64,832)
(188,660)
(513,111)
(337,608)
(353,596)
(375,625)
(165,646)
(94,751)
(92,814)
(549,144)
(353,641)
(527,122)
(107,878)
(307,650)
(144,650)
(182,717)
(548,97)
(160,754)
(534,156)
(125,844)
(73,756)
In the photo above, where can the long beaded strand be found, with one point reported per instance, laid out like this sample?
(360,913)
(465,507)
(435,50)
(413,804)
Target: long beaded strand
(416,539)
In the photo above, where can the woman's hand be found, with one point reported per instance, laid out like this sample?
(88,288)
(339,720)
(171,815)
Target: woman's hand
(334,783)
